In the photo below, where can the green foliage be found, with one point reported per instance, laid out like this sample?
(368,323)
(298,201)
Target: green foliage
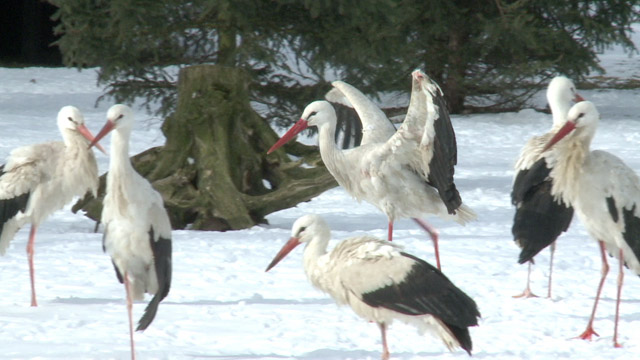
(486,55)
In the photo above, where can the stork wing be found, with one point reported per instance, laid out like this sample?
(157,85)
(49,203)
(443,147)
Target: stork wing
(376,127)
(29,166)
(540,218)
(621,187)
(426,140)
(380,275)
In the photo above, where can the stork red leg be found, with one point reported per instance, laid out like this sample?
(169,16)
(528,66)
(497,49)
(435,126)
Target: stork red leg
(32,270)
(553,250)
(127,287)
(527,293)
(390,232)
(434,236)
(620,281)
(589,332)
(385,349)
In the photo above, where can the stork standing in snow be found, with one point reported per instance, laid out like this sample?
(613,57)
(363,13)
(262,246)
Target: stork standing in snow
(605,194)
(540,216)
(381,283)
(40,179)
(137,231)
(408,173)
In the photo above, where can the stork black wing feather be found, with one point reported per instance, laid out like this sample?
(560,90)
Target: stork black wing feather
(162,261)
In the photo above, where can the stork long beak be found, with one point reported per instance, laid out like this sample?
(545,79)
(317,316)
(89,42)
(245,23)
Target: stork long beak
(577,98)
(286,249)
(564,131)
(295,130)
(84,131)
(103,132)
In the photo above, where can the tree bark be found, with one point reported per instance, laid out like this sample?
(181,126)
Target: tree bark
(213,172)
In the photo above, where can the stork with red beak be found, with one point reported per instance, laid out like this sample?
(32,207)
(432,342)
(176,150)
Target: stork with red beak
(137,230)
(605,194)
(381,283)
(40,179)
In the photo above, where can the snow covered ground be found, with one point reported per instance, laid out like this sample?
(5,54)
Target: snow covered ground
(223,305)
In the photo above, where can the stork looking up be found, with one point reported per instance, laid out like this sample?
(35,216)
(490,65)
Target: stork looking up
(40,179)
(408,173)
(137,231)
(381,283)
(605,194)
(540,217)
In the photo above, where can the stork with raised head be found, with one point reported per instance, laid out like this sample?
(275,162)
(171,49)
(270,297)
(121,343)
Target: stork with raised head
(40,179)
(540,216)
(408,173)
(381,283)
(137,231)
(605,194)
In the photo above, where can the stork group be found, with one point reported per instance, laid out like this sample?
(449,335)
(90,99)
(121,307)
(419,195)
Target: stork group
(405,173)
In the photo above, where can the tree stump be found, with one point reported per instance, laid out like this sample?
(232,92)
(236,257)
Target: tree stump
(213,172)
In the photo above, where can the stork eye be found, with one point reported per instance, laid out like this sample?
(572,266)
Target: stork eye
(120,117)
(300,231)
(70,119)
(312,114)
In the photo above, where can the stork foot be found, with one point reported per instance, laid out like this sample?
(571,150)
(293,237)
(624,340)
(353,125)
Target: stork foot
(527,293)
(588,334)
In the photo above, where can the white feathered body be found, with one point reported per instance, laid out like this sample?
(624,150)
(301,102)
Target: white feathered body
(132,208)
(53,173)
(353,268)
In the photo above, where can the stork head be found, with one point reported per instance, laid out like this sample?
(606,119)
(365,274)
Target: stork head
(561,93)
(304,230)
(582,122)
(118,117)
(315,114)
(70,118)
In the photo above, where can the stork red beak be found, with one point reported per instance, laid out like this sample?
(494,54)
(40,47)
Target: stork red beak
(103,132)
(564,131)
(295,130)
(286,249)
(577,98)
(84,131)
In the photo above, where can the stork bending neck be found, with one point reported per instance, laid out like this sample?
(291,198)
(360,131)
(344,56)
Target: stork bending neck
(559,111)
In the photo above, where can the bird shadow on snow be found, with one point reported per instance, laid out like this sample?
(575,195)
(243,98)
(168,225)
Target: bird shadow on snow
(333,354)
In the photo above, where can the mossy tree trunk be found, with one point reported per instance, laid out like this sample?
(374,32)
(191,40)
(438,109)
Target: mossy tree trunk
(213,168)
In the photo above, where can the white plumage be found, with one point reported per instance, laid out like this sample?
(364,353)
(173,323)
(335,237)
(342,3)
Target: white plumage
(40,179)
(408,173)
(137,232)
(540,216)
(381,283)
(604,192)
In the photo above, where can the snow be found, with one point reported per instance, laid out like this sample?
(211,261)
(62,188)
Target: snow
(223,305)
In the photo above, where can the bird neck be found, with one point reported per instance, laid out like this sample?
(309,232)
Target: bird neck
(569,159)
(119,151)
(331,155)
(559,111)
(313,252)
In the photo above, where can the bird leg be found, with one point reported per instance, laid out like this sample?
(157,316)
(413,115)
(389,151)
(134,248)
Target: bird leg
(434,236)
(32,270)
(527,293)
(553,250)
(390,232)
(127,287)
(620,281)
(385,349)
(589,332)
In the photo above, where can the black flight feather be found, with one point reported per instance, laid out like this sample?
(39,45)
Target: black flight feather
(162,261)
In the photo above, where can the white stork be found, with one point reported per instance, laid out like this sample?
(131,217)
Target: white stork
(40,179)
(408,173)
(137,230)
(381,283)
(604,192)
(540,217)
